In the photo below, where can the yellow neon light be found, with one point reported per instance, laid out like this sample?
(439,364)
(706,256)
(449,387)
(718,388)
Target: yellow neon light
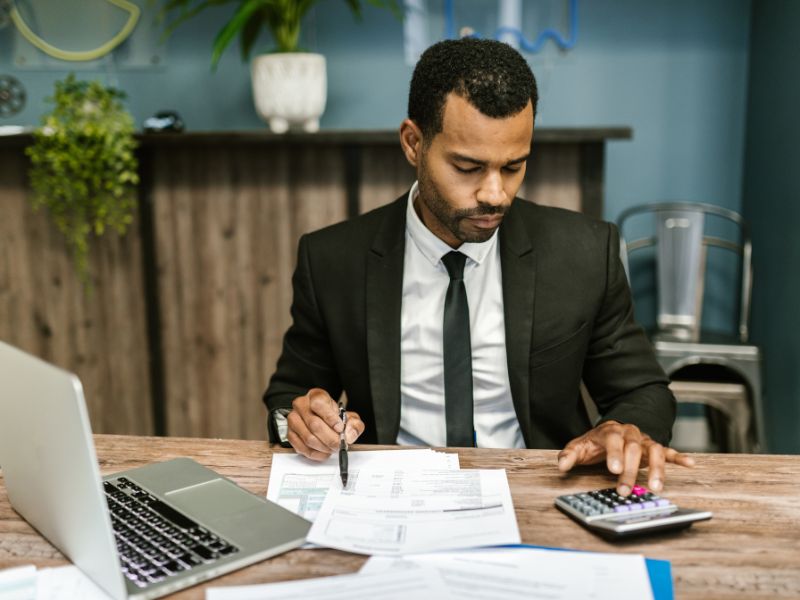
(83,55)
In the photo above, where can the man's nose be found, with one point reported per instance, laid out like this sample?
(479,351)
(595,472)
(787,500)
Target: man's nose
(492,191)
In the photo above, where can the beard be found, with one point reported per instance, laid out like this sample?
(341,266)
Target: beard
(453,218)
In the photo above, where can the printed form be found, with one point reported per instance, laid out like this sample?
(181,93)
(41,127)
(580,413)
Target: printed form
(401,584)
(300,485)
(395,511)
(529,573)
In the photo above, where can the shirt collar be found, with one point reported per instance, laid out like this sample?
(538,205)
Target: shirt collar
(431,247)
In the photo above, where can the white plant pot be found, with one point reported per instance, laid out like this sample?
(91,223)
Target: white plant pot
(290,89)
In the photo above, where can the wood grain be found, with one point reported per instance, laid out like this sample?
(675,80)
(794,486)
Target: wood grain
(44,309)
(193,350)
(748,550)
(227,221)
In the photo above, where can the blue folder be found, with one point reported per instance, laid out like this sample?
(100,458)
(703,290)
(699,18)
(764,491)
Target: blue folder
(660,572)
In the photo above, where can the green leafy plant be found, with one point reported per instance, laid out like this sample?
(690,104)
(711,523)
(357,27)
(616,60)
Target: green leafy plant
(83,168)
(282,17)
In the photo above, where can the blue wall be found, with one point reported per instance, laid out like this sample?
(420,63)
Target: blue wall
(772,205)
(676,71)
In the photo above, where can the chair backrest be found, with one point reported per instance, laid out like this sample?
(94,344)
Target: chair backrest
(681,241)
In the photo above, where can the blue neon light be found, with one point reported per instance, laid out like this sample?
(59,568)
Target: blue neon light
(535,46)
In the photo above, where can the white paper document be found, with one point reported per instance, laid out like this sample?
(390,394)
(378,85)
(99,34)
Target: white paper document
(18,583)
(530,573)
(394,512)
(67,583)
(300,485)
(419,583)
(56,583)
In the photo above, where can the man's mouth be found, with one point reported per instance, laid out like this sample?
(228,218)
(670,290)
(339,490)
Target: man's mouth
(486,221)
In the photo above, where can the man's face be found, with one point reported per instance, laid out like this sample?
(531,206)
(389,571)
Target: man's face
(471,171)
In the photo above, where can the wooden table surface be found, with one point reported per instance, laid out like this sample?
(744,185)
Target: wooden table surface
(750,549)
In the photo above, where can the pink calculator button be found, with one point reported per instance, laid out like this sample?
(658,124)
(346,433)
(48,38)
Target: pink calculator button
(638,490)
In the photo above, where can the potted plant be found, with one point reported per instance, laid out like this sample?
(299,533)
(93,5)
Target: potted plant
(289,85)
(83,168)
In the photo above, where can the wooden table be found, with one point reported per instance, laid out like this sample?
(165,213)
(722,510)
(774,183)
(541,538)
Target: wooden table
(750,549)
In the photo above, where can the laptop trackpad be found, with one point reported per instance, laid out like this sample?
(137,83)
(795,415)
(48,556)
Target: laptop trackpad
(213,500)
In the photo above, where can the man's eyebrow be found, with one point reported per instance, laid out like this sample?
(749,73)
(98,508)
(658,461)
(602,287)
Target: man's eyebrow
(476,161)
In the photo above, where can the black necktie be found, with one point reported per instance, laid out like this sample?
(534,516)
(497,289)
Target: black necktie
(457,355)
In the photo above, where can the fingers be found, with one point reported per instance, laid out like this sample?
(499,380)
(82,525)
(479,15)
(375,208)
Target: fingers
(625,449)
(315,425)
(583,450)
(301,448)
(312,422)
(325,407)
(673,456)
(567,459)
(615,452)
(355,427)
(298,429)
(632,454)
(656,456)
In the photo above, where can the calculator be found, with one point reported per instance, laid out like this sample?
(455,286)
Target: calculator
(613,516)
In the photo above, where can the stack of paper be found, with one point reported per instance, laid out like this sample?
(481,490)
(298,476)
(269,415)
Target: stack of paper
(429,526)
(300,485)
(508,573)
(18,583)
(396,512)
(58,583)
(396,502)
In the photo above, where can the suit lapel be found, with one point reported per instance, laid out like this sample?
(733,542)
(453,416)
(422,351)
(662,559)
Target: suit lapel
(518,262)
(384,291)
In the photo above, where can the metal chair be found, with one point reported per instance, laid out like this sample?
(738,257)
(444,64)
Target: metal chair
(681,235)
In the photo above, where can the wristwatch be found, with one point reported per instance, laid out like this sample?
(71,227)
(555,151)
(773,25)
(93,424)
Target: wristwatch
(279,426)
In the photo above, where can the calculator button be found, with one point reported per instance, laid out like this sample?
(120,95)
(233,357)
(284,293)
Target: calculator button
(636,507)
(622,508)
(649,504)
(662,502)
(638,490)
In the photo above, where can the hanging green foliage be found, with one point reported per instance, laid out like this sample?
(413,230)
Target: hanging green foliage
(83,166)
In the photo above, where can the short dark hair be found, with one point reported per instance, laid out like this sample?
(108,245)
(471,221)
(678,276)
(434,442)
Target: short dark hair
(490,75)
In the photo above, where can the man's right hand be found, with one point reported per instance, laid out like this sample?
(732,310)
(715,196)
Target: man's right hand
(314,425)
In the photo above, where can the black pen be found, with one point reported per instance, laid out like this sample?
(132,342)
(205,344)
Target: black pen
(343,446)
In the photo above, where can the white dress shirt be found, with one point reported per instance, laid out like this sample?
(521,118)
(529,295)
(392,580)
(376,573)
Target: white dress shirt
(425,281)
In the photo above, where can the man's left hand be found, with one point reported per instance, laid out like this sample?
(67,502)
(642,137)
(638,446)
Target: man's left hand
(625,449)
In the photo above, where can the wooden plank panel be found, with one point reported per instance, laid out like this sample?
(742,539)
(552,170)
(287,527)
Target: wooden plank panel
(45,310)
(227,224)
(553,176)
(385,175)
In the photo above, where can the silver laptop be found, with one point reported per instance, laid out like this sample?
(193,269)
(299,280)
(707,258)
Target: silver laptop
(141,533)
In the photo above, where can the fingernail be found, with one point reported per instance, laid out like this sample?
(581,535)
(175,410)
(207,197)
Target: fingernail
(655,485)
(351,436)
(562,462)
(338,426)
(616,467)
(623,490)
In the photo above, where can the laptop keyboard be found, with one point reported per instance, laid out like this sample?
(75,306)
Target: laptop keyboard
(155,541)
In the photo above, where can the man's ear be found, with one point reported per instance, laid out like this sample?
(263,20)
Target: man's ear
(411,141)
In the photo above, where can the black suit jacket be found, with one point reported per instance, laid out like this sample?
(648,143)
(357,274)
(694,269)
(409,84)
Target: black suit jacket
(568,316)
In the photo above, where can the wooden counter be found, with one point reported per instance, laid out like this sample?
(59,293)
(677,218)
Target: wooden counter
(185,323)
(749,549)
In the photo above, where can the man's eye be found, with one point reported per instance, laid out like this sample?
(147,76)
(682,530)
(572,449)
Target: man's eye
(470,170)
(512,169)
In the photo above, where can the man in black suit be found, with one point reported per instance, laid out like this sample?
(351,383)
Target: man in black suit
(461,315)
